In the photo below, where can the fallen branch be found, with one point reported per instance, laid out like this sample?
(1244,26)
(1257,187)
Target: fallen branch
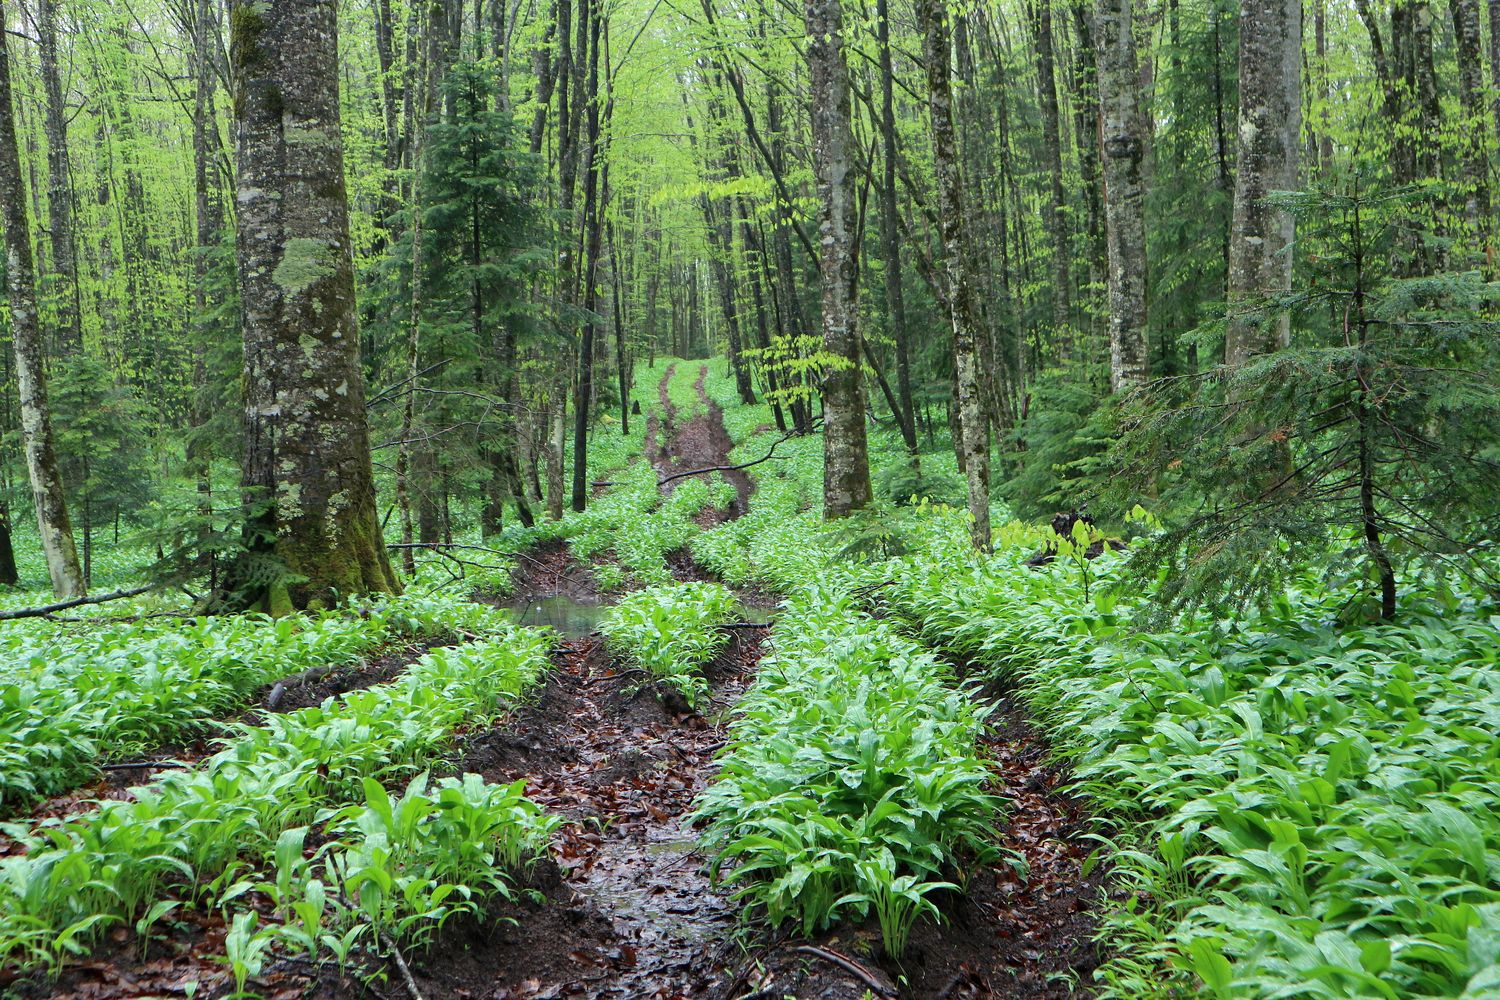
(850,966)
(395,953)
(744,625)
(728,468)
(74,602)
(296,680)
(142,765)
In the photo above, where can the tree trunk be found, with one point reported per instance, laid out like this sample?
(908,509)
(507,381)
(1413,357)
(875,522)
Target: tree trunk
(557,438)
(583,396)
(1494,9)
(306,466)
(932,19)
(846,464)
(65,296)
(1269,132)
(26,341)
(9,575)
(1057,215)
(1471,98)
(1123,150)
(895,305)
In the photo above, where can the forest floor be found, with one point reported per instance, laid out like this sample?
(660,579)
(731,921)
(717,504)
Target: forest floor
(624,909)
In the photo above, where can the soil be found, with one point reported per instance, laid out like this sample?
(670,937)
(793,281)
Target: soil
(550,570)
(701,443)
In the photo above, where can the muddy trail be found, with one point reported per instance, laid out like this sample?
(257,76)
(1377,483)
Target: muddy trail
(627,909)
(624,908)
(702,442)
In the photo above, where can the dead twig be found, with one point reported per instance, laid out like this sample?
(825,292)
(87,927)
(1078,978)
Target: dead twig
(74,602)
(850,966)
(727,468)
(142,765)
(278,690)
(395,953)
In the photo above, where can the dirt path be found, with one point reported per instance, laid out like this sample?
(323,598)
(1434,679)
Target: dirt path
(700,443)
(628,910)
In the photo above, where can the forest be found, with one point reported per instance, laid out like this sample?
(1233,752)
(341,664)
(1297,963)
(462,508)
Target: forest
(748,500)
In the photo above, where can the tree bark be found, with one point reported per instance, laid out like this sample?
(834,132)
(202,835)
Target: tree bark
(26,340)
(846,464)
(65,296)
(1270,122)
(932,17)
(895,304)
(1057,214)
(583,392)
(1466,35)
(1494,10)
(306,466)
(1123,151)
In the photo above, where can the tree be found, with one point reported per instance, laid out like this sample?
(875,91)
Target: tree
(1385,426)
(313,536)
(1270,126)
(26,339)
(932,15)
(1123,149)
(66,294)
(846,463)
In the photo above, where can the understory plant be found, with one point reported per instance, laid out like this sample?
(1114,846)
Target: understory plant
(1303,808)
(671,631)
(852,782)
(190,831)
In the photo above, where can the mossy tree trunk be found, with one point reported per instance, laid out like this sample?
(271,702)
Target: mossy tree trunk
(846,463)
(312,526)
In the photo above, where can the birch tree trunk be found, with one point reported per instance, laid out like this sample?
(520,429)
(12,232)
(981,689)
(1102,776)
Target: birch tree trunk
(26,339)
(932,19)
(846,463)
(1270,124)
(1123,150)
(306,467)
(65,296)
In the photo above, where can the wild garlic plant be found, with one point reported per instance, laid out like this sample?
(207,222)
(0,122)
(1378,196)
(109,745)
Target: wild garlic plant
(671,631)
(192,829)
(1308,806)
(852,782)
(70,700)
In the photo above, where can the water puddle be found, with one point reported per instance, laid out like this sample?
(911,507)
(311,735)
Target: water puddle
(572,619)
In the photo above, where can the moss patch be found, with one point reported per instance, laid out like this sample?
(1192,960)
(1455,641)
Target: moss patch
(304,262)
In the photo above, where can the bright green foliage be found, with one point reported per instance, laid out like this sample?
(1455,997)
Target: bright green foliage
(851,781)
(117,691)
(636,524)
(190,829)
(1312,804)
(671,631)
(399,868)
